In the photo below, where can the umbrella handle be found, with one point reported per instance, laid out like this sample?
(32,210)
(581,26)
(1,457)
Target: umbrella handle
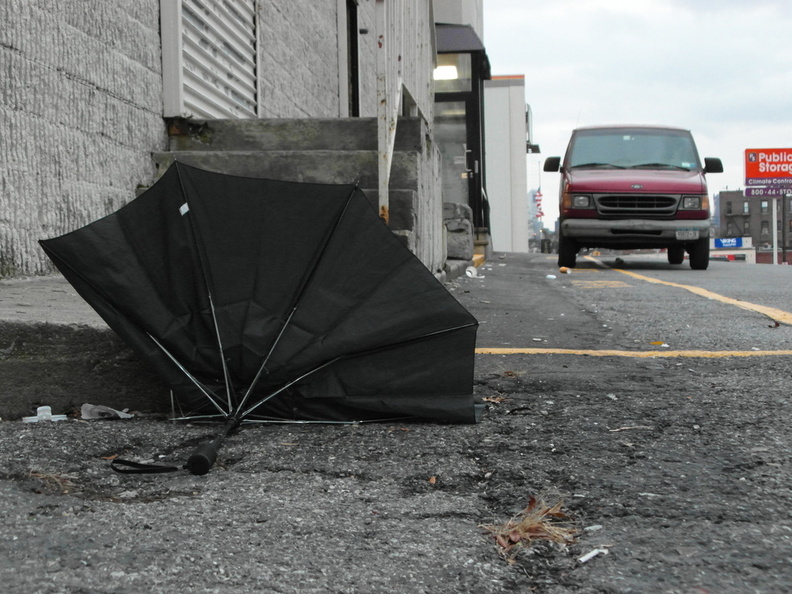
(205,455)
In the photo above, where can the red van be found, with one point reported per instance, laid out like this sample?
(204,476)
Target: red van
(632,187)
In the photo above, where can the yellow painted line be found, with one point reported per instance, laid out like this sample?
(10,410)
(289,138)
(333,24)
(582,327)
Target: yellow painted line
(778,315)
(636,354)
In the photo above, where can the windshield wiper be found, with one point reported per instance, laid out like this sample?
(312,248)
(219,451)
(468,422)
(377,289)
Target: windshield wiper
(659,165)
(592,165)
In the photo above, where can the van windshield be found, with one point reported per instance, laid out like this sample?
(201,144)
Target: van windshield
(626,148)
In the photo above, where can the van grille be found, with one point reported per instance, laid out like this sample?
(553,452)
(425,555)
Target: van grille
(630,205)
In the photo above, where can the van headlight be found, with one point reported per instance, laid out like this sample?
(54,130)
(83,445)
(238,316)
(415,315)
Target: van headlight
(581,201)
(578,201)
(694,203)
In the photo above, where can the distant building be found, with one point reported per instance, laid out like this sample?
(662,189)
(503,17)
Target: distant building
(743,216)
(506,132)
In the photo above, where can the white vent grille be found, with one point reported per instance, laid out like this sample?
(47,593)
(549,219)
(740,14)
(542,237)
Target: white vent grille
(209,58)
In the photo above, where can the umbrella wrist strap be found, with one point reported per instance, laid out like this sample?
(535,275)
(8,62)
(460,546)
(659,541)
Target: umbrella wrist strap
(129,467)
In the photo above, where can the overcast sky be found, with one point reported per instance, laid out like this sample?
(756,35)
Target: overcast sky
(721,68)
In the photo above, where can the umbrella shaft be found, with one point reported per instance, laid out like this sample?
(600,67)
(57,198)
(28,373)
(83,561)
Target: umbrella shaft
(205,455)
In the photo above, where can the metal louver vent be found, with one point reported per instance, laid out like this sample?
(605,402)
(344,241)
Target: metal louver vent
(209,58)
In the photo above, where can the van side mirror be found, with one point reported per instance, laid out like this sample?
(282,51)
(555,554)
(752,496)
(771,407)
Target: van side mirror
(552,164)
(713,165)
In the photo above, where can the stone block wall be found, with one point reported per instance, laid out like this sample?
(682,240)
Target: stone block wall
(81,108)
(80,112)
(298,49)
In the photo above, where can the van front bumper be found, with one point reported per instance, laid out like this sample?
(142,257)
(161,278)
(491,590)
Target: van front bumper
(633,232)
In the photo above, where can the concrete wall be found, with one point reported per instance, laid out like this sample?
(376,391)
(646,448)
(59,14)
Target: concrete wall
(298,49)
(81,105)
(80,110)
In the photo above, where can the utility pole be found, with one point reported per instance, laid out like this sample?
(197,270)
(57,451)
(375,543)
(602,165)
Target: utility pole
(775,231)
(784,222)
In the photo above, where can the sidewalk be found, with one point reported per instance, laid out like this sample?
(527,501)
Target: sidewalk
(56,351)
(51,340)
(44,299)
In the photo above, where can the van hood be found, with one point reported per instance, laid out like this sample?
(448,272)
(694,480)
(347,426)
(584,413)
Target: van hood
(666,181)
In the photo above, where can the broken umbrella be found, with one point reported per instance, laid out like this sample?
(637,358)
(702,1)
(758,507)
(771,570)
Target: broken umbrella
(272,301)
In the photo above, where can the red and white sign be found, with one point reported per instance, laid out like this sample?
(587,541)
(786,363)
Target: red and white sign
(768,167)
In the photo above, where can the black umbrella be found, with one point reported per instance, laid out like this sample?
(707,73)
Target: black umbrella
(272,301)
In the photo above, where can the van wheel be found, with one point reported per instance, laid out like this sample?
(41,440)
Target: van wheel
(699,254)
(676,254)
(567,251)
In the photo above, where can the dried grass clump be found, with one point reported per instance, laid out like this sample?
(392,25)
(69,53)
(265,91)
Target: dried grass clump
(54,482)
(540,520)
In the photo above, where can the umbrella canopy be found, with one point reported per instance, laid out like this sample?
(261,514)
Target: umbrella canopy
(266,300)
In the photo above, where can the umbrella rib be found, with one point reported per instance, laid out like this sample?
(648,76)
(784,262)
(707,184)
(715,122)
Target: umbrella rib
(226,378)
(204,272)
(306,283)
(288,385)
(189,375)
(350,356)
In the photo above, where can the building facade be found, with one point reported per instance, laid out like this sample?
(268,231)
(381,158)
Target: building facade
(88,87)
(742,216)
(506,135)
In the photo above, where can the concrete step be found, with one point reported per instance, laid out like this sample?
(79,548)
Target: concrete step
(403,207)
(344,134)
(315,166)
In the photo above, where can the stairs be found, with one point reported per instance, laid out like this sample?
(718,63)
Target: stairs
(335,151)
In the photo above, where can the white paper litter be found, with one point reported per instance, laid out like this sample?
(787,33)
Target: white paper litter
(97,411)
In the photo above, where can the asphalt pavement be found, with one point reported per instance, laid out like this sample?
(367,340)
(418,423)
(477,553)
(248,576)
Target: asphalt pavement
(662,492)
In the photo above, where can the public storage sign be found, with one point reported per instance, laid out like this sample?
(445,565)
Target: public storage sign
(768,167)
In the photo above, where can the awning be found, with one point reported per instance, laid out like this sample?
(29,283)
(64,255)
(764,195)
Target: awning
(461,39)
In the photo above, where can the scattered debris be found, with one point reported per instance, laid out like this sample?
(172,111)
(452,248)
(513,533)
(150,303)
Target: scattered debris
(538,521)
(97,411)
(591,554)
(54,482)
(43,413)
(630,428)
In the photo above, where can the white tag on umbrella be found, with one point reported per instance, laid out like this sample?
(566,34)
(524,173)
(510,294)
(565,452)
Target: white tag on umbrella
(184,209)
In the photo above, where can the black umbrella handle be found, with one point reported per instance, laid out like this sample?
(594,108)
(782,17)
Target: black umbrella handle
(205,455)
(203,458)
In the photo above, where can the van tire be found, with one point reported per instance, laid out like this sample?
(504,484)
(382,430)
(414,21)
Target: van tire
(676,254)
(699,254)
(567,252)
